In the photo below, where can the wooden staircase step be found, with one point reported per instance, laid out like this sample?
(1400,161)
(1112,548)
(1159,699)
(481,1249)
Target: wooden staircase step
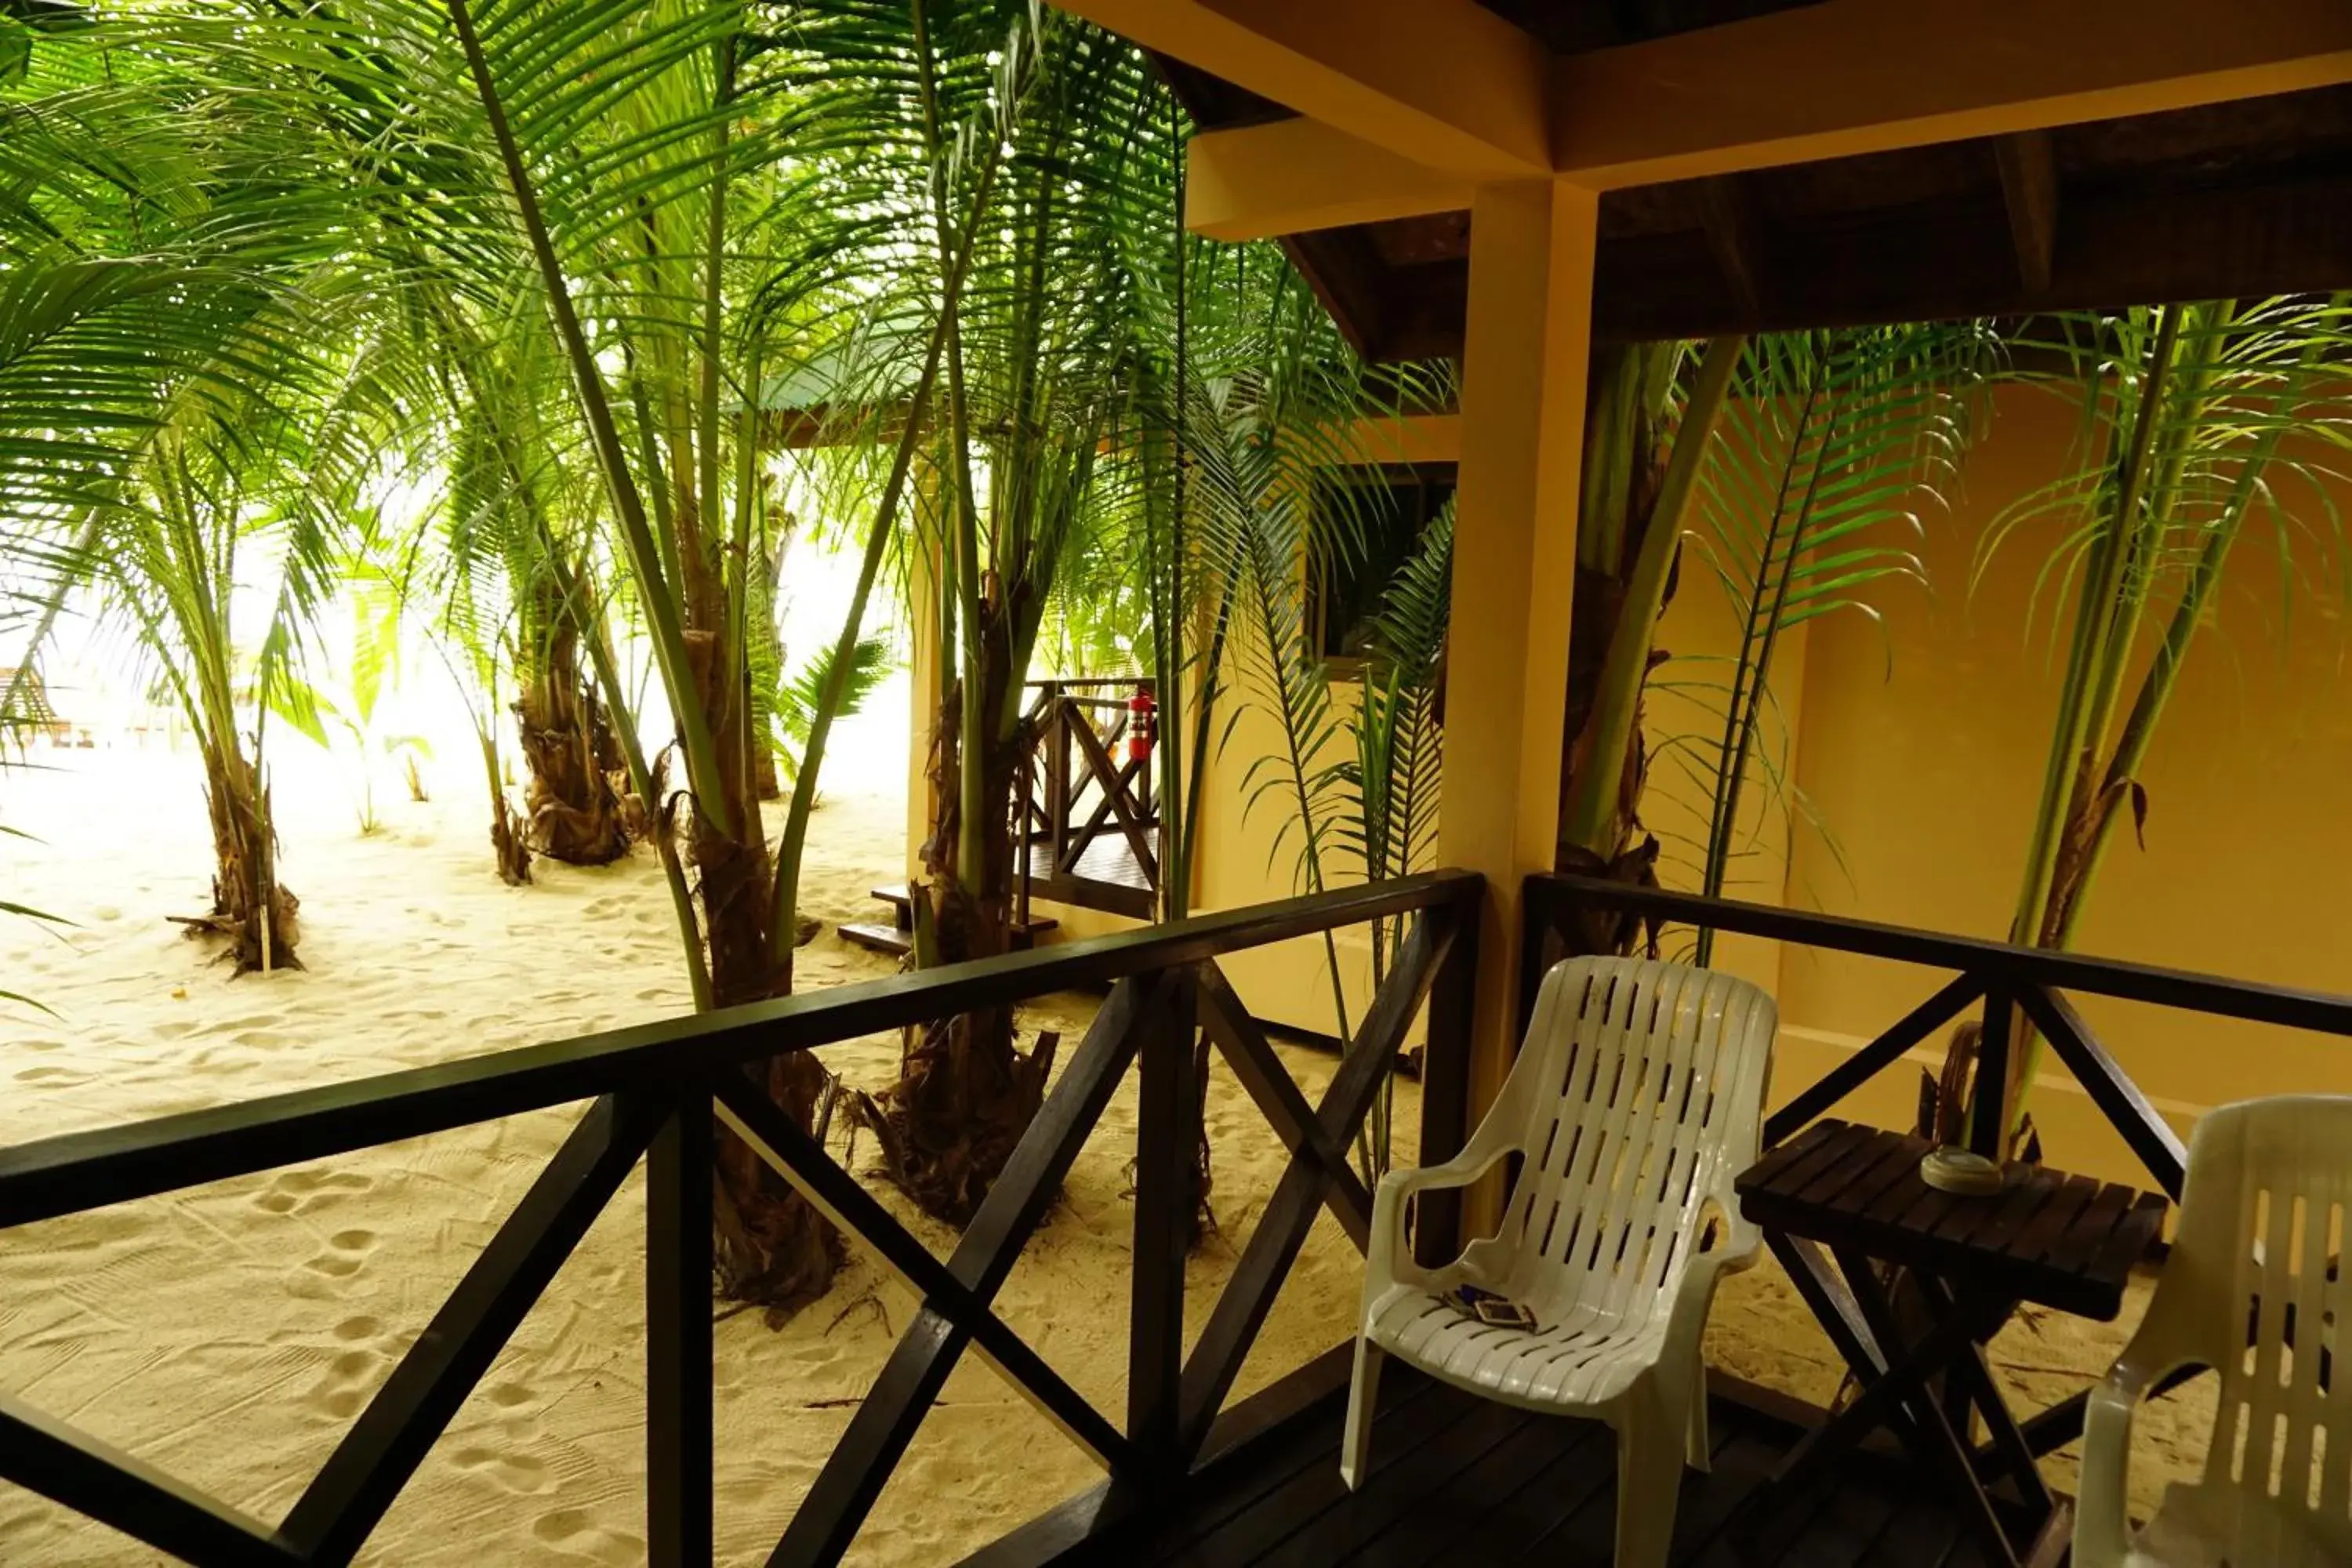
(902,908)
(900,938)
(879,938)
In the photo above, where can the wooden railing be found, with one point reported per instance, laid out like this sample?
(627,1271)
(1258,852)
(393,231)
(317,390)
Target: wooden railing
(1089,824)
(2004,980)
(658,1092)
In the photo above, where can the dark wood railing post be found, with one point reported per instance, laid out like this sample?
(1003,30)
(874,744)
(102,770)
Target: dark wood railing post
(653,1088)
(678,1336)
(1988,1119)
(1057,777)
(1024,828)
(1445,1089)
(1167,1152)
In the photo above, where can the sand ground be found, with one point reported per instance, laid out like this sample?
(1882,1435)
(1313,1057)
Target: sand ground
(230,1333)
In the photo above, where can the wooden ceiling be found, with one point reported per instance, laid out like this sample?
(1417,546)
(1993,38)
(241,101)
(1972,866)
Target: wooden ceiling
(1575,27)
(2251,197)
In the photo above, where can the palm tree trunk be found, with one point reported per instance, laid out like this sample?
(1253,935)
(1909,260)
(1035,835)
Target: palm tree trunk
(774,1250)
(507,838)
(1640,484)
(772,1247)
(966,1092)
(249,908)
(568,747)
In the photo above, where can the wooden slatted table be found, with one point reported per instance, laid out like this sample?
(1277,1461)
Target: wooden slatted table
(1844,1209)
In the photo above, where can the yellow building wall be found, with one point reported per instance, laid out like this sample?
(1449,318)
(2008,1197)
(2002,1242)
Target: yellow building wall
(1915,742)
(1922,748)
(1682,723)
(1242,863)
(1245,857)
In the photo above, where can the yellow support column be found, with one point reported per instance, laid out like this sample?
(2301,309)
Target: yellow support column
(1523,379)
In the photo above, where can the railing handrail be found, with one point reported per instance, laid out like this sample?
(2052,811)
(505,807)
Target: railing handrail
(75,1170)
(659,1095)
(2324,1012)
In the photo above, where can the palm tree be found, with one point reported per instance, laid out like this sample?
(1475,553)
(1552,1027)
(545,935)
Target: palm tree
(677,258)
(1281,409)
(514,529)
(1829,446)
(1017,142)
(2186,411)
(1646,439)
(1392,781)
(165,404)
(1797,456)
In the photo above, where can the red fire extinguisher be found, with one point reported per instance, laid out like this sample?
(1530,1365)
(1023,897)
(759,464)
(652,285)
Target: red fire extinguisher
(1142,724)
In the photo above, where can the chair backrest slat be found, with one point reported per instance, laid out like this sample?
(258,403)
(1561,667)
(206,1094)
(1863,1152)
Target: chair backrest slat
(2256,1288)
(1637,1096)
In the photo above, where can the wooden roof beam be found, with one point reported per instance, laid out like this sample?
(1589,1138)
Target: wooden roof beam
(1446,83)
(1847,76)
(1294,176)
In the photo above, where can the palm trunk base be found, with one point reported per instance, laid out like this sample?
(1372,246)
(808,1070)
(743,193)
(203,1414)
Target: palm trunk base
(1595,933)
(966,1092)
(965,1096)
(257,916)
(242,919)
(773,1249)
(513,847)
(575,811)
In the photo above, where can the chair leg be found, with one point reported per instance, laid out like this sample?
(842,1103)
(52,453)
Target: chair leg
(1363,1403)
(1698,1446)
(1649,1481)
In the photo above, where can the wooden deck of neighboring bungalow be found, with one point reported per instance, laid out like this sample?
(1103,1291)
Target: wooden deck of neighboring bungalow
(1459,1481)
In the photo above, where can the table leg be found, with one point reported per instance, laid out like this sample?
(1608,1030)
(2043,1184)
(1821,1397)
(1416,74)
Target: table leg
(2057,1537)
(1936,1444)
(1826,1295)
(1972,1375)
(1890,1389)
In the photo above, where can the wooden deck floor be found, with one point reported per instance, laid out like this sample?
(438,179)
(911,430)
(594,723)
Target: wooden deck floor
(1460,1481)
(1108,876)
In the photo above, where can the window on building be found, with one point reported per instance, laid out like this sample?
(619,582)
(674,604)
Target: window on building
(1369,520)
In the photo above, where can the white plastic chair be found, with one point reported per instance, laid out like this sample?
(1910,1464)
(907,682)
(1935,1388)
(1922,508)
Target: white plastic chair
(2262,1223)
(1635,1100)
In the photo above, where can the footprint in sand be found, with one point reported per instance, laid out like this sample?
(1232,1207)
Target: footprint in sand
(343,1392)
(507,1396)
(298,1191)
(347,1253)
(570,1531)
(520,1474)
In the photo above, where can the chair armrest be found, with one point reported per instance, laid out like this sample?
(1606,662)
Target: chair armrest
(1695,1295)
(2103,1500)
(1387,1263)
